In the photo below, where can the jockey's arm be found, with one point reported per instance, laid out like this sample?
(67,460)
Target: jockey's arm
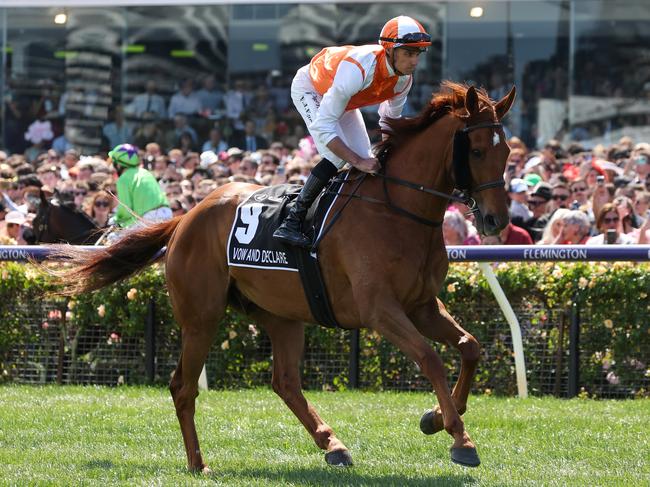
(392,108)
(368,164)
(347,82)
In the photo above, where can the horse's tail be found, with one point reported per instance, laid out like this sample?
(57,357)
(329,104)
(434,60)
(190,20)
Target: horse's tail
(89,270)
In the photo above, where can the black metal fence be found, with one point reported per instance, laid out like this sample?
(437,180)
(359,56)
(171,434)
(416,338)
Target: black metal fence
(556,362)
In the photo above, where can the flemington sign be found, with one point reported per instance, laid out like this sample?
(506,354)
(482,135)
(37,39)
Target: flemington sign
(542,253)
(455,253)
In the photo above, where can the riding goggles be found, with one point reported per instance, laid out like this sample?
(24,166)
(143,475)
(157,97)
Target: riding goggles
(409,38)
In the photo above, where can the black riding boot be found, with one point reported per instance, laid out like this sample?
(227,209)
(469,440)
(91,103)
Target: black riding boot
(290,232)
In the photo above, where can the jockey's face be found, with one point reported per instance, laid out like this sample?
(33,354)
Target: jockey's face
(406,59)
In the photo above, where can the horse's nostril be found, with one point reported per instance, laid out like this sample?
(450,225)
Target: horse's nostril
(490,221)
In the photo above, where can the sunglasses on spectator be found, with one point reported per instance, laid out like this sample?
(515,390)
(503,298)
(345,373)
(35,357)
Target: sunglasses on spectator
(102,204)
(578,190)
(611,220)
(535,202)
(176,208)
(80,193)
(561,197)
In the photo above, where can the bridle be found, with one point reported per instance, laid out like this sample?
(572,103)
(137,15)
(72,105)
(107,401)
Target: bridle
(43,226)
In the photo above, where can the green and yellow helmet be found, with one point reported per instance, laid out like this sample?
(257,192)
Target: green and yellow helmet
(125,155)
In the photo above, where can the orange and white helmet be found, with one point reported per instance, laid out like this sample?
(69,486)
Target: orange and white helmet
(404,31)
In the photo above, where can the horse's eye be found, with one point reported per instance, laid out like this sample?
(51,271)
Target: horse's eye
(476,153)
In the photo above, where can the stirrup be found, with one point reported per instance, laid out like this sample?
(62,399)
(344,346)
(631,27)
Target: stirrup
(291,237)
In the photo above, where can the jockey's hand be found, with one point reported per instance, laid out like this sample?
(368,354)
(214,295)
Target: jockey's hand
(369,165)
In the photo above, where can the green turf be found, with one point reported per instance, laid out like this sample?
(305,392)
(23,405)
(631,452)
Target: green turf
(130,436)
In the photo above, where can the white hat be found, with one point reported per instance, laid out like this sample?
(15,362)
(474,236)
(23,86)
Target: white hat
(532,162)
(518,185)
(15,217)
(208,157)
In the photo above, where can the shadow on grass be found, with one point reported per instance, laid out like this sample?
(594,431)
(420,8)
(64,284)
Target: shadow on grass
(99,465)
(333,476)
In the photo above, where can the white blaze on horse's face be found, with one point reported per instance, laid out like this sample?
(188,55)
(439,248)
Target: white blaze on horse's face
(496,138)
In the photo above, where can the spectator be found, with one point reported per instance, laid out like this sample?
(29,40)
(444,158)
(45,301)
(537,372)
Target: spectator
(248,167)
(457,230)
(215,143)
(248,140)
(537,203)
(101,206)
(152,149)
(608,223)
(518,198)
(642,204)
(510,235)
(181,126)
(579,192)
(553,227)
(148,103)
(14,227)
(80,192)
(117,130)
(49,176)
(85,169)
(39,134)
(173,190)
(629,219)
(560,196)
(210,97)
(149,133)
(177,207)
(235,102)
(185,101)
(574,228)
(71,158)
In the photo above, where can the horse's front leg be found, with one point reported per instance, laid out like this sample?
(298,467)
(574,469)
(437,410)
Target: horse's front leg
(434,322)
(390,320)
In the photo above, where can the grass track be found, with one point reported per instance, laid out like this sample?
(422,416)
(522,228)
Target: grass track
(130,436)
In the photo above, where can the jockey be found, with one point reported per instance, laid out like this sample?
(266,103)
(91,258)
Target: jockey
(328,93)
(137,189)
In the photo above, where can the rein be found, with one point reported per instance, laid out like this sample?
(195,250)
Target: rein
(466,191)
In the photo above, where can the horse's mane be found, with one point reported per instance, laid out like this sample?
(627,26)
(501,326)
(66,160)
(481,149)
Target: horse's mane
(450,99)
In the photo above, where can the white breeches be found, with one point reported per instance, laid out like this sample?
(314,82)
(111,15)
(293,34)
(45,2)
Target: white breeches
(350,127)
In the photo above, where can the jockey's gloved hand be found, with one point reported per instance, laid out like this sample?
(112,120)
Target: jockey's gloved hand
(369,165)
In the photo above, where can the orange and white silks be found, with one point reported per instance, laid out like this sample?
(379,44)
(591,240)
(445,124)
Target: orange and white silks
(329,91)
(324,66)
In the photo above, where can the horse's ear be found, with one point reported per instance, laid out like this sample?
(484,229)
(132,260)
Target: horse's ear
(471,101)
(503,105)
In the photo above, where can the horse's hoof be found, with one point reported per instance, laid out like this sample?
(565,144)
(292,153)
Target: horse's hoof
(428,424)
(339,458)
(202,470)
(467,457)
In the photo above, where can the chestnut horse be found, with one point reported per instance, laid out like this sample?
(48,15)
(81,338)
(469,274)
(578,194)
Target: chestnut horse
(382,269)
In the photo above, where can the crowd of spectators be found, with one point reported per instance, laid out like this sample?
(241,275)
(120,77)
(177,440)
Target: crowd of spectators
(200,139)
(569,195)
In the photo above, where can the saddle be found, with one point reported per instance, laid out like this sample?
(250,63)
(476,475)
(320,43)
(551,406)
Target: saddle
(250,243)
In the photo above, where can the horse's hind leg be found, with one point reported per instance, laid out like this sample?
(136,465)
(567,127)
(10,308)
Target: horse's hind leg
(434,322)
(198,314)
(184,390)
(287,339)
